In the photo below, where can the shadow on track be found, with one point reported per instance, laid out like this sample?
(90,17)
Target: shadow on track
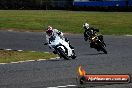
(60,59)
(94,54)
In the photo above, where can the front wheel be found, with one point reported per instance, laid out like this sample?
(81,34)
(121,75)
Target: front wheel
(104,50)
(62,54)
(102,47)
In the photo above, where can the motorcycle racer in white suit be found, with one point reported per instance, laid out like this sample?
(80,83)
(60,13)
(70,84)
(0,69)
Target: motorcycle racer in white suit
(54,32)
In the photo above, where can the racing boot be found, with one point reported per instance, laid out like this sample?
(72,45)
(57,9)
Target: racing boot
(67,40)
(71,46)
(74,55)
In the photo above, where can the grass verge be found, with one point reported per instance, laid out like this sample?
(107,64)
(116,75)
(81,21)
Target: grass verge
(67,21)
(14,56)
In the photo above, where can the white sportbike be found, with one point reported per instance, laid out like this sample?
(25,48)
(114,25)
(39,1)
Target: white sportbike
(61,47)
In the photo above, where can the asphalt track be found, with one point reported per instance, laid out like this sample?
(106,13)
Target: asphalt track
(61,73)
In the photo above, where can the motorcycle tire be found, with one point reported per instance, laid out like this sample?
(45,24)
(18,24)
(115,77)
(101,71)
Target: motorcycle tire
(62,53)
(102,47)
(74,57)
(104,50)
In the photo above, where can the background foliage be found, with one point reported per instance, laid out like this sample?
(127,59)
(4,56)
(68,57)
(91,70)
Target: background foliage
(35,4)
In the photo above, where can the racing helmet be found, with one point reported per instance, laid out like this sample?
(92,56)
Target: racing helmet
(49,31)
(49,28)
(86,26)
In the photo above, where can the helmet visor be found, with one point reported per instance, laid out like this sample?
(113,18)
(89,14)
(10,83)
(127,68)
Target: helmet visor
(49,32)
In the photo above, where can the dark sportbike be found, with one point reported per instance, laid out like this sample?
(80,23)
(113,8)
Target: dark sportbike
(97,43)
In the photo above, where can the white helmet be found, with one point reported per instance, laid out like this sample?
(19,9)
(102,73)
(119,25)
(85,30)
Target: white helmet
(49,28)
(49,31)
(85,25)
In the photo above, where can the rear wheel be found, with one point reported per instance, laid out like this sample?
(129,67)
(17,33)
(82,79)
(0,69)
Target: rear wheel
(74,55)
(63,54)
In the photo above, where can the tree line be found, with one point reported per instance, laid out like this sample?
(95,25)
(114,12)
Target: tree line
(35,4)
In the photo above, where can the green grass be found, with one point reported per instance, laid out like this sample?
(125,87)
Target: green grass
(14,56)
(67,21)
